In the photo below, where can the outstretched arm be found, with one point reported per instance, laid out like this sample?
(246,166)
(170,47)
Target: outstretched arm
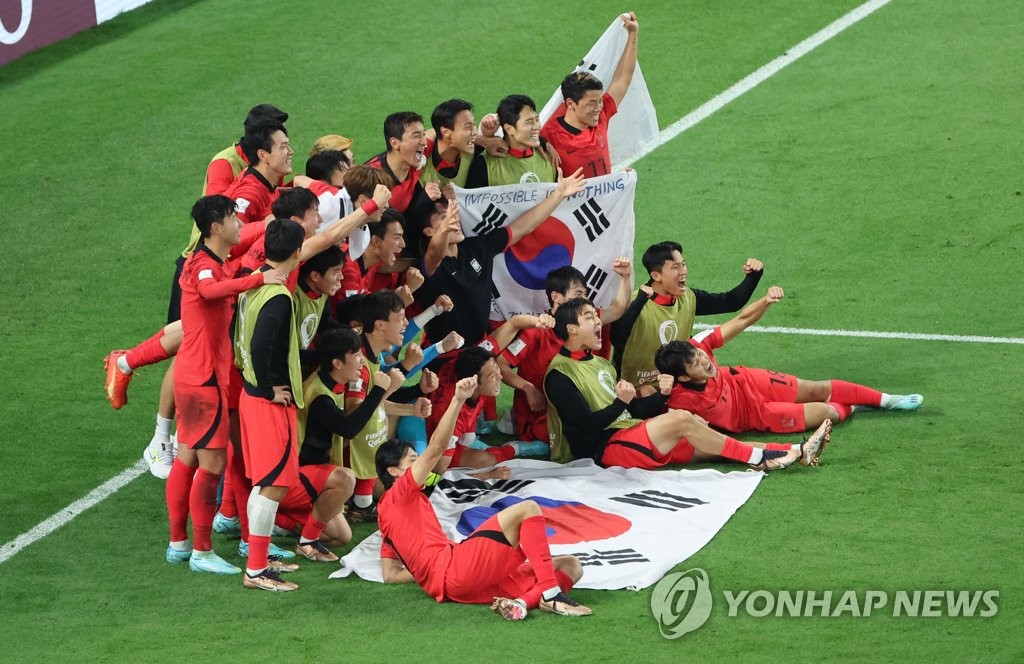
(724,303)
(525,223)
(442,435)
(750,314)
(623,75)
(623,267)
(343,228)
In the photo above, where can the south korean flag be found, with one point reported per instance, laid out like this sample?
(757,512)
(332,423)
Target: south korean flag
(588,231)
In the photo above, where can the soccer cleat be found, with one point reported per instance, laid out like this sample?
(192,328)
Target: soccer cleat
(356,514)
(117,380)
(562,605)
(229,526)
(908,402)
(815,444)
(175,556)
(268,579)
(316,551)
(509,609)
(483,427)
(779,459)
(280,566)
(208,561)
(533,448)
(477,444)
(505,423)
(160,457)
(275,550)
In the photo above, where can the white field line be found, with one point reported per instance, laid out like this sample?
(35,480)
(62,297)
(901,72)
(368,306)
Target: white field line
(10,549)
(64,516)
(757,77)
(870,334)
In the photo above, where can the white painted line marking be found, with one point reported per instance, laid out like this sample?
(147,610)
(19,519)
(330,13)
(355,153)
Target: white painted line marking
(913,336)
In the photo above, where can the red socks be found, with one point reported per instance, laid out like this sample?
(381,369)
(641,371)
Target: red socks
(853,394)
(239,483)
(785,447)
(176,491)
(148,352)
(259,547)
(227,498)
(843,409)
(737,451)
(313,528)
(203,505)
(533,540)
(502,453)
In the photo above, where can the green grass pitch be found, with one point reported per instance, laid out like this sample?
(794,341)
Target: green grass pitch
(879,179)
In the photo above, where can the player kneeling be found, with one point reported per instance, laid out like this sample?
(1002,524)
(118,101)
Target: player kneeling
(506,561)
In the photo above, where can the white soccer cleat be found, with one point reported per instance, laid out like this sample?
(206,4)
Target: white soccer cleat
(160,457)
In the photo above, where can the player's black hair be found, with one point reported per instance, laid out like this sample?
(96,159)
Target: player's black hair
(330,257)
(284,237)
(294,202)
(395,124)
(263,113)
(388,217)
(362,180)
(656,255)
(561,279)
(335,344)
(260,137)
(578,83)
(673,357)
(378,305)
(511,106)
(568,313)
(389,455)
(346,311)
(210,209)
(471,360)
(322,165)
(445,113)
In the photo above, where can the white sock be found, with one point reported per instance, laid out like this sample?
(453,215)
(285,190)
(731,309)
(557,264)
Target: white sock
(183,545)
(756,456)
(360,500)
(122,364)
(163,429)
(551,593)
(890,400)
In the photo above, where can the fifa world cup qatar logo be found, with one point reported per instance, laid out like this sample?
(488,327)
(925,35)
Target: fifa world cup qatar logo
(681,602)
(9,38)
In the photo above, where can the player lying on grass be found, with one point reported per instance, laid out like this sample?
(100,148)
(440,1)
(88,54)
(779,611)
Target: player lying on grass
(738,399)
(602,418)
(505,562)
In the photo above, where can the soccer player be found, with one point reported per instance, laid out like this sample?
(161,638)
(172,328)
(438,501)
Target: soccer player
(739,399)
(387,240)
(454,146)
(382,317)
(267,350)
(580,134)
(526,160)
(406,144)
(506,561)
(525,361)
(327,166)
(461,267)
(601,418)
(270,159)
(202,375)
(334,142)
(665,309)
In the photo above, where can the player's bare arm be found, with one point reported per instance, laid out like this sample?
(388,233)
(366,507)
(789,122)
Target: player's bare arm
(750,314)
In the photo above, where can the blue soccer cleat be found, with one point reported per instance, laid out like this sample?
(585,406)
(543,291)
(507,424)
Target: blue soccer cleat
(275,551)
(227,526)
(175,556)
(908,402)
(533,448)
(211,563)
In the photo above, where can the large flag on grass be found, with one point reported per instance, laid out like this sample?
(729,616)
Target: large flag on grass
(628,527)
(635,126)
(587,231)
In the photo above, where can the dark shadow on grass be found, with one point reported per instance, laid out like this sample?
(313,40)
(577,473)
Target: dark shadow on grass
(32,63)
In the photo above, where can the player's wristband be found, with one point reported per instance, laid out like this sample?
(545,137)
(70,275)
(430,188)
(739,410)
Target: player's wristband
(369,207)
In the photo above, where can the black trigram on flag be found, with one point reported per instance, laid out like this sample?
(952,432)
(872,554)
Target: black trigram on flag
(592,67)
(467,491)
(616,557)
(492,218)
(592,219)
(594,278)
(659,500)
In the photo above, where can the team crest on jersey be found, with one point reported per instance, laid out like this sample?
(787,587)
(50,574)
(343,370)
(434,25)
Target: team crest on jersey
(606,381)
(529,177)
(487,345)
(476,266)
(307,329)
(668,331)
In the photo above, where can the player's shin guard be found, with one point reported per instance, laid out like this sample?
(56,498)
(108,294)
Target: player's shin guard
(176,492)
(853,394)
(148,352)
(533,540)
(261,523)
(203,505)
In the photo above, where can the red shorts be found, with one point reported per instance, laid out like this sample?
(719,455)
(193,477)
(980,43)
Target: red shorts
(298,502)
(633,448)
(530,425)
(202,416)
(484,566)
(772,385)
(269,442)
(455,454)
(772,398)
(234,388)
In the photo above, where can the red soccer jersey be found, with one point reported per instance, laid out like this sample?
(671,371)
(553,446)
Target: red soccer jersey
(402,192)
(207,295)
(723,400)
(411,533)
(585,148)
(253,196)
(356,281)
(220,173)
(256,256)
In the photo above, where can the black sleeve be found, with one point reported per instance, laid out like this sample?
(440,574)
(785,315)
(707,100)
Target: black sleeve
(477,176)
(406,394)
(326,413)
(274,319)
(728,302)
(624,325)
(644,408)
(573,408)
(494,242)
